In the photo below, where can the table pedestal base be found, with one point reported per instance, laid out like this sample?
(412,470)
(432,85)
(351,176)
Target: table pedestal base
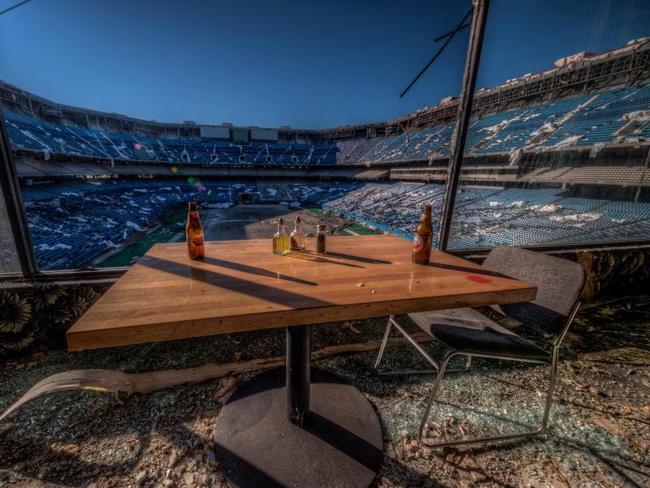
(340,443)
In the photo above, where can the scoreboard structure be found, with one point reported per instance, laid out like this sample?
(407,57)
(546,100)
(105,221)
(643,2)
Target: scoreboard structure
(240,135)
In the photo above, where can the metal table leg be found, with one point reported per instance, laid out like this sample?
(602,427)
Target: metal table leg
(298,373)
(319,432)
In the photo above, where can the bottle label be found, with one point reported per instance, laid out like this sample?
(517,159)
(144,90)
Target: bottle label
(418,243)
(195,237)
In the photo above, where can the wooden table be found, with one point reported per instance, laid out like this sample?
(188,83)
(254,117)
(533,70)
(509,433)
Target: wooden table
(267,433)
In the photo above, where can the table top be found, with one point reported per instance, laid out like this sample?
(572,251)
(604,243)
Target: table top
(242,286)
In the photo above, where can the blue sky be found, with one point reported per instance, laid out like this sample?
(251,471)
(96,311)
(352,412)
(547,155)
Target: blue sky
(307,64)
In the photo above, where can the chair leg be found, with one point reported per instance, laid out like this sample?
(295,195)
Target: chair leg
(551,388)
(384,341)
(393,323)
(530,433)
(434,392)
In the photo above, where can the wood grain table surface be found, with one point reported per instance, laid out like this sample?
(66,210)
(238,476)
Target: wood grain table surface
(243,286)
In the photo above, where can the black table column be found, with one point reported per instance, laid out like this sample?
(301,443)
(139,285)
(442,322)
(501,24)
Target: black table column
(298,427)
(298,373)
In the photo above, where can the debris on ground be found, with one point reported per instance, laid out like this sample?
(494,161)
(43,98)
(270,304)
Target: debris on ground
(598,433)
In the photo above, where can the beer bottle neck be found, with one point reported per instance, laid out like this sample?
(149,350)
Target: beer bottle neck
(193,212)
(426,216)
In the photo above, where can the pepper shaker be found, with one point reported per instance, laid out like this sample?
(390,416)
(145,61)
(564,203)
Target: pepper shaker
(320,238)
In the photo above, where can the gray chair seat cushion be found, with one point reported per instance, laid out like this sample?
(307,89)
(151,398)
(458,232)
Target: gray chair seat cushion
(469,331)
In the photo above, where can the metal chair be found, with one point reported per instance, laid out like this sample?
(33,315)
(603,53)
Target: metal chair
(469,333)
(422,320)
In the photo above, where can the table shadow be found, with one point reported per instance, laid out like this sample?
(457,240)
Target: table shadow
(319,258)
(245,268)
(353,257)
(239,285)
(343,440)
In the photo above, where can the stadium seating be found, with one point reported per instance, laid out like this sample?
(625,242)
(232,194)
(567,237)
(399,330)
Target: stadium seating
(485,217)
(30,133)
(581,120)
(73,222)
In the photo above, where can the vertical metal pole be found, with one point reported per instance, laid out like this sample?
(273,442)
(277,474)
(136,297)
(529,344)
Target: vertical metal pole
(14,203)
(637,194)
(479,17)
(298,375)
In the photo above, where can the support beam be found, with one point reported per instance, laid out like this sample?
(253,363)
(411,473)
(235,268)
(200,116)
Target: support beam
(479,17)
(14,202)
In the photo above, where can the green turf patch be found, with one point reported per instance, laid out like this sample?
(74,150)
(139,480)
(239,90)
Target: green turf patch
(359,229)
(318,212)
(171,226)
(354,228)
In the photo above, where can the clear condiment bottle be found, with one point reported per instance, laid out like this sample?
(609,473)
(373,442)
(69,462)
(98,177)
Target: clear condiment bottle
(298,237)
(281,243)
(321,238)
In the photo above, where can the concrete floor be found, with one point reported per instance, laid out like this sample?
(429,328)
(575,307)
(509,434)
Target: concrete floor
(599,427)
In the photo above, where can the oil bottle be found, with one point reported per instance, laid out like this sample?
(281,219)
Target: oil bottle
(281,241)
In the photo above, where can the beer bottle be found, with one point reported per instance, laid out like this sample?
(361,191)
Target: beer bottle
(281,244)
(423,238)
(194,233)
(298,237)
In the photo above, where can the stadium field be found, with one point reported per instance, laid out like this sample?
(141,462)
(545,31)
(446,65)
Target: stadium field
(237,222)
(170,229)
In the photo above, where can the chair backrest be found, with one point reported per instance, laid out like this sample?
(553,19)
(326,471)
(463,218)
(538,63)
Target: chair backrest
(559,284)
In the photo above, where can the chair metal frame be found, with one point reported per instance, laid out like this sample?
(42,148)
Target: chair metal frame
(442,369)
(392,322)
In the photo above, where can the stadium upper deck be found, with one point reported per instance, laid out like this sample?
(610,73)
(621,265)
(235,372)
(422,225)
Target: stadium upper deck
(589,100)
(33,134)
(618,115)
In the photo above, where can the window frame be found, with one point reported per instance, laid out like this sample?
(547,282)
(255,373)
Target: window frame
(30,271)
(14,204)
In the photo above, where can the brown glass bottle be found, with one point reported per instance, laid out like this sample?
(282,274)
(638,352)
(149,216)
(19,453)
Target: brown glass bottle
(194,233)
(423,238)
(321,238)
